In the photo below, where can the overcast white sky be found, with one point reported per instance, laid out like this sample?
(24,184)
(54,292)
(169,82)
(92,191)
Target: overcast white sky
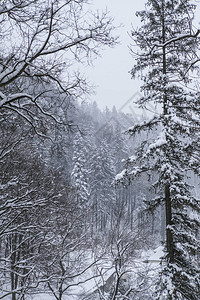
(110,72)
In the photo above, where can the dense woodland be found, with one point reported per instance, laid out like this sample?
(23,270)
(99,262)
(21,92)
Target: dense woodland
(60,197)
(87,194)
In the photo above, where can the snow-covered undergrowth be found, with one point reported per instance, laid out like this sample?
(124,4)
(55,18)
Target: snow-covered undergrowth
(137,277)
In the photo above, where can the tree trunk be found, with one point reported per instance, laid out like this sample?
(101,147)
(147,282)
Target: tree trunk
(169,236)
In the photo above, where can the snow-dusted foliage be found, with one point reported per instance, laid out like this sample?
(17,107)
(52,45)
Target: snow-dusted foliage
(168,53)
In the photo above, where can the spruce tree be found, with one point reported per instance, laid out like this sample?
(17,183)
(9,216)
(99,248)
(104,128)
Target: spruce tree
(168,54)
(101,176)
(79,171)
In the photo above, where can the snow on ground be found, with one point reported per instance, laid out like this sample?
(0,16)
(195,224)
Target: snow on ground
(157,254)
(153,255)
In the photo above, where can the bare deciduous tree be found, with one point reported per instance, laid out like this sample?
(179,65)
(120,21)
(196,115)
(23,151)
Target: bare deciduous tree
(42,43)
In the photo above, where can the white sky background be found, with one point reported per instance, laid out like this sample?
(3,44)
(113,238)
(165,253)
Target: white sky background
(114,85)
(110,73)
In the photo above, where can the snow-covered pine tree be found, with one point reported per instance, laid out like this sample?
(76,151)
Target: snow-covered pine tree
(79,171)
(168,53)
(102,191)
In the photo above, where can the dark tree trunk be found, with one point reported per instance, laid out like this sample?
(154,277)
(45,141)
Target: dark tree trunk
(169,236)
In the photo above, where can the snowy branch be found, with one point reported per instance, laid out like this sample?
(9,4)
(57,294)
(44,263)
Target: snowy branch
(175,39)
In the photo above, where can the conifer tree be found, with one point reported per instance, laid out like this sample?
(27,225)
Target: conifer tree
(102,191)
(168,54)
(79,171)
